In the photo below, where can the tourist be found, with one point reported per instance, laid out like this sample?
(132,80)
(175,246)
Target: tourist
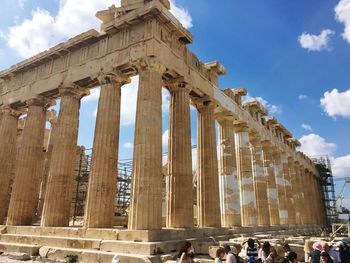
(325,258)
(265,253)
(251,250)
(286,249)
(292,257)
(220,254)
(308,250)
(186,254)
(316,253)
(230,257)
(344,251)
(334,255)
(286,252)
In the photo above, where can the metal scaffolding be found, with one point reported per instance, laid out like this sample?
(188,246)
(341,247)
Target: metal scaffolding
(323,165)
(122,199)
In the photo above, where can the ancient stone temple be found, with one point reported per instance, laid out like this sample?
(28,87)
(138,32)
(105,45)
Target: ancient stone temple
(256,183)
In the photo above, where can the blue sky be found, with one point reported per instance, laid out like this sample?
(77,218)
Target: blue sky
(292,55)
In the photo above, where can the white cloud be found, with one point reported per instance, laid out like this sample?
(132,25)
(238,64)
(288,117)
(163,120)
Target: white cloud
(273,109)
(315,145)
(165,138)
(165,100)
(342,14)
(341,166)
(128,145)
(44,30)
(182,14)
(336,103)
(316,42)
(306,127)
(302,97)
(128,102)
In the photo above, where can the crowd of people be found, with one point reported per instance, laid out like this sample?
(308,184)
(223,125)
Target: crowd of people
(255,252)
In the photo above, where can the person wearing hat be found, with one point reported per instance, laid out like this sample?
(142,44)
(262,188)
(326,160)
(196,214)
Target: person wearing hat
(316,253)
(286,249)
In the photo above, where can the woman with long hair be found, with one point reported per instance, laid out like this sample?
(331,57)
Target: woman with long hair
(265,253)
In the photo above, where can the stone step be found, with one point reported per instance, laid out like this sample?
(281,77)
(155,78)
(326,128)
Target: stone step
(85,255)
(117,234)
(32,250)
(127,247)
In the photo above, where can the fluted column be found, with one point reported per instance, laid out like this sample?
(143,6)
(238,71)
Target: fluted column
(297,194)
(245,175)
(302,195)
(313,207)
(102,190)
(260,181)
(52,118)
(208,198)
(280,184)
(290,190)
(228,180)
(180,187)
(272,194)
(319,200)
(146,199)
(323,211)
(309,205)
(58,197)
(8,149)
(29,167)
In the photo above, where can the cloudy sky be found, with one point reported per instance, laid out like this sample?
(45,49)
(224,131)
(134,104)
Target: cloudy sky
(293,56)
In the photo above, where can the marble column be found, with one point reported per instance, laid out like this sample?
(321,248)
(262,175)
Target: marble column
(52,118)
(208,198)
(290,189)
(302,206)
(100,206)
(29,166)
(8,149)
(245,176)
(280,184)
(319,200)
(308,199)
(296,192)
(228,180)
(180,185)
(260,181)
(311,199)
(59,192)
(146,200)
(271,188)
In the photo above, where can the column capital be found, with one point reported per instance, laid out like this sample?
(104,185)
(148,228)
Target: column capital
(116,77)
(205,104)
(178,84)
(149,64)
(40,101)
(11,111)
(240,126)
(267,145)
(73,90)
(254,138)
